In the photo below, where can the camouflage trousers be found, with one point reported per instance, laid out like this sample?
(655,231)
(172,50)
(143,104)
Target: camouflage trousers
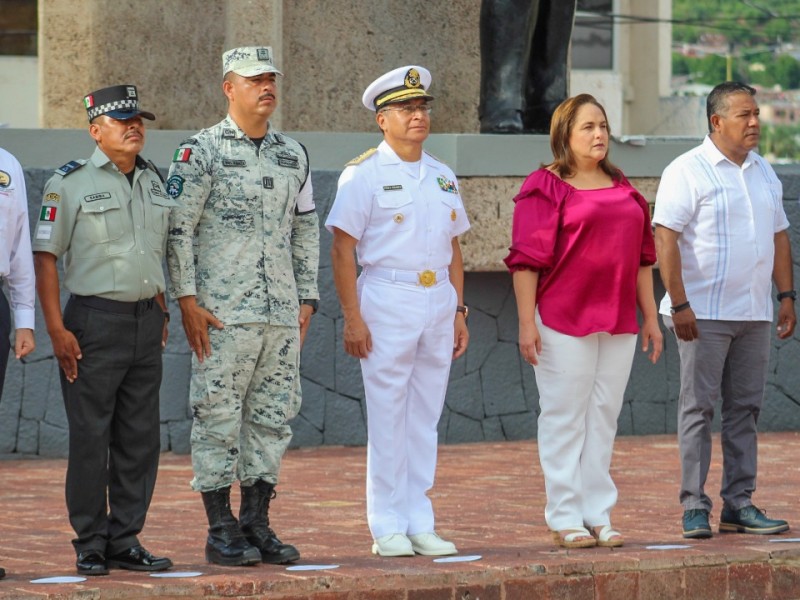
(242,397)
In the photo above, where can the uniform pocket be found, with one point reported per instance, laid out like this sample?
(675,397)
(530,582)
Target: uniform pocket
(103,219)
(395,207)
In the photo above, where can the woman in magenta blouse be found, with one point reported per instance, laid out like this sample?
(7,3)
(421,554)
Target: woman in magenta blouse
(581,258)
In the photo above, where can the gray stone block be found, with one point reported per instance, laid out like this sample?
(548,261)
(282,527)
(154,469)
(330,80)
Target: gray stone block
(508,321)
(179,436)
(304,433)
(28,437)
(464,397)
(313,407)
(486,292)
(625,420)
(55,411)
(493,430)
(344,421)
(164,437)
(174,391)
(441,426)
(53,441)
(648,417)
(10,408)
(347,369)
(779,412)
(461,429)
(319,346)
(501,381)
(482,339)
(519,426)
(43,375)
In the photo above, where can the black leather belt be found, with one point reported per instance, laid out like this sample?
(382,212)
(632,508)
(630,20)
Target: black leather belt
(116,306)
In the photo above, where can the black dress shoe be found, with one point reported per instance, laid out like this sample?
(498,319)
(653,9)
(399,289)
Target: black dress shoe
(137,558)
(2,572)
(91,562)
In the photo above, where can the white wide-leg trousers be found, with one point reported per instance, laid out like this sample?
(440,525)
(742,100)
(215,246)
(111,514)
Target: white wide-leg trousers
(581,383)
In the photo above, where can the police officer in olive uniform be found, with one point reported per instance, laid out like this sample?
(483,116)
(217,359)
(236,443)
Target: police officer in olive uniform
(243,254)
(108,217)
(399,209)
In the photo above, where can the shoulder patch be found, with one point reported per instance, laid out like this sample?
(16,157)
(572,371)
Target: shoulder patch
(70,167)
(362,157)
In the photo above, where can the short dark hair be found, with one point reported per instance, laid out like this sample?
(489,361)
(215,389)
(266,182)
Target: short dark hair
(717,101)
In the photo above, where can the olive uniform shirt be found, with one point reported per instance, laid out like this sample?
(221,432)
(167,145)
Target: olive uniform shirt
(112,234)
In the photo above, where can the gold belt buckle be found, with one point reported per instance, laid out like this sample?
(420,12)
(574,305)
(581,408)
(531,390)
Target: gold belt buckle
(427,278)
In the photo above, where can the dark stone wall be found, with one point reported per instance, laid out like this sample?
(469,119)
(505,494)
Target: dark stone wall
(492,394)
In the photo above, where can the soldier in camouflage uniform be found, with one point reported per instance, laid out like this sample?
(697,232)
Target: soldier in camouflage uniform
(243,253)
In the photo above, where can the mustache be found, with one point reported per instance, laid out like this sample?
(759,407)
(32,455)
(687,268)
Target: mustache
(267,95)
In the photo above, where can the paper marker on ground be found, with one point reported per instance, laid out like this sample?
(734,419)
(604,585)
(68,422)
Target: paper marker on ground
(176,574)
(61,579)
(784,540)
(311,567)
(454,559)
(668,547)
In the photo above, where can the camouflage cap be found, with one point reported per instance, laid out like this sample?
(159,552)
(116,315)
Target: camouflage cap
(249,61)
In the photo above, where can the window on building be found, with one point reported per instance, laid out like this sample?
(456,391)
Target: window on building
(18,27)
(593,35)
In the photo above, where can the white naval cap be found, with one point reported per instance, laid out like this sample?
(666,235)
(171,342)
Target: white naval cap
(249,61)
(398,85)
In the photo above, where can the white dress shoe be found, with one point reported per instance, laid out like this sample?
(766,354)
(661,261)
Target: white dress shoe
(430,544)
(394,544)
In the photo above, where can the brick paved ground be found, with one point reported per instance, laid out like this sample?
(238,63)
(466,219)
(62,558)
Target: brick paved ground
(489,500)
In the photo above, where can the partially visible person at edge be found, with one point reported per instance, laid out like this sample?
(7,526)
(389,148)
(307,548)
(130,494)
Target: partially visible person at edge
(16,266)
(107,216)
(581,258)
(721,235)
(399,210)
(243,257)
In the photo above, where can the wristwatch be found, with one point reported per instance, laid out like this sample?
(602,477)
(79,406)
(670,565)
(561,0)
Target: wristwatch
(789,294)
(314,304)
(463,309)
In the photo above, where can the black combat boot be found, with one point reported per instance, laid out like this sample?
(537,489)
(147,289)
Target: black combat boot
(226,545)
(254,520)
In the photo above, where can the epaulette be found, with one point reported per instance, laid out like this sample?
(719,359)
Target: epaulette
(70,167)
(362,157)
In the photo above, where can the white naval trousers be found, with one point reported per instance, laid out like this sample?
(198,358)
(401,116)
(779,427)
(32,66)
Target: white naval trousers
(405,381)
(581,383)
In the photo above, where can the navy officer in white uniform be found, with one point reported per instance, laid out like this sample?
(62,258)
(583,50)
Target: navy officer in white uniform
(399,209)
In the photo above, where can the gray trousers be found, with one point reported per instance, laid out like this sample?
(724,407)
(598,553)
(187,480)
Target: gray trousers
(728,361)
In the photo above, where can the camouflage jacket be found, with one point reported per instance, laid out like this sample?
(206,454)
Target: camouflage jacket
(245,238)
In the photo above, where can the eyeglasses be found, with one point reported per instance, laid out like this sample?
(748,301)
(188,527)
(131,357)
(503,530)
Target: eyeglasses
(410,109)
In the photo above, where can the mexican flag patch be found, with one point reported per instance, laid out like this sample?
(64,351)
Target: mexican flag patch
(182,155)
(48,213)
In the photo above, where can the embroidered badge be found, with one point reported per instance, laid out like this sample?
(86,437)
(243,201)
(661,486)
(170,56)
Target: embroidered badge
(398,218)
(267,183)
(96,197)
(392,188)
(182,155)
(48,213)
(453,215)
(229,133)
(447,185)
(175,186)
(229,162)
(288,162)
(362,157)
(155,190)
(5,179)
(52,197)
(412,79)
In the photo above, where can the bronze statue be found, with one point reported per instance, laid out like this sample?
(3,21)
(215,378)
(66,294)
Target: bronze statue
(524,55)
